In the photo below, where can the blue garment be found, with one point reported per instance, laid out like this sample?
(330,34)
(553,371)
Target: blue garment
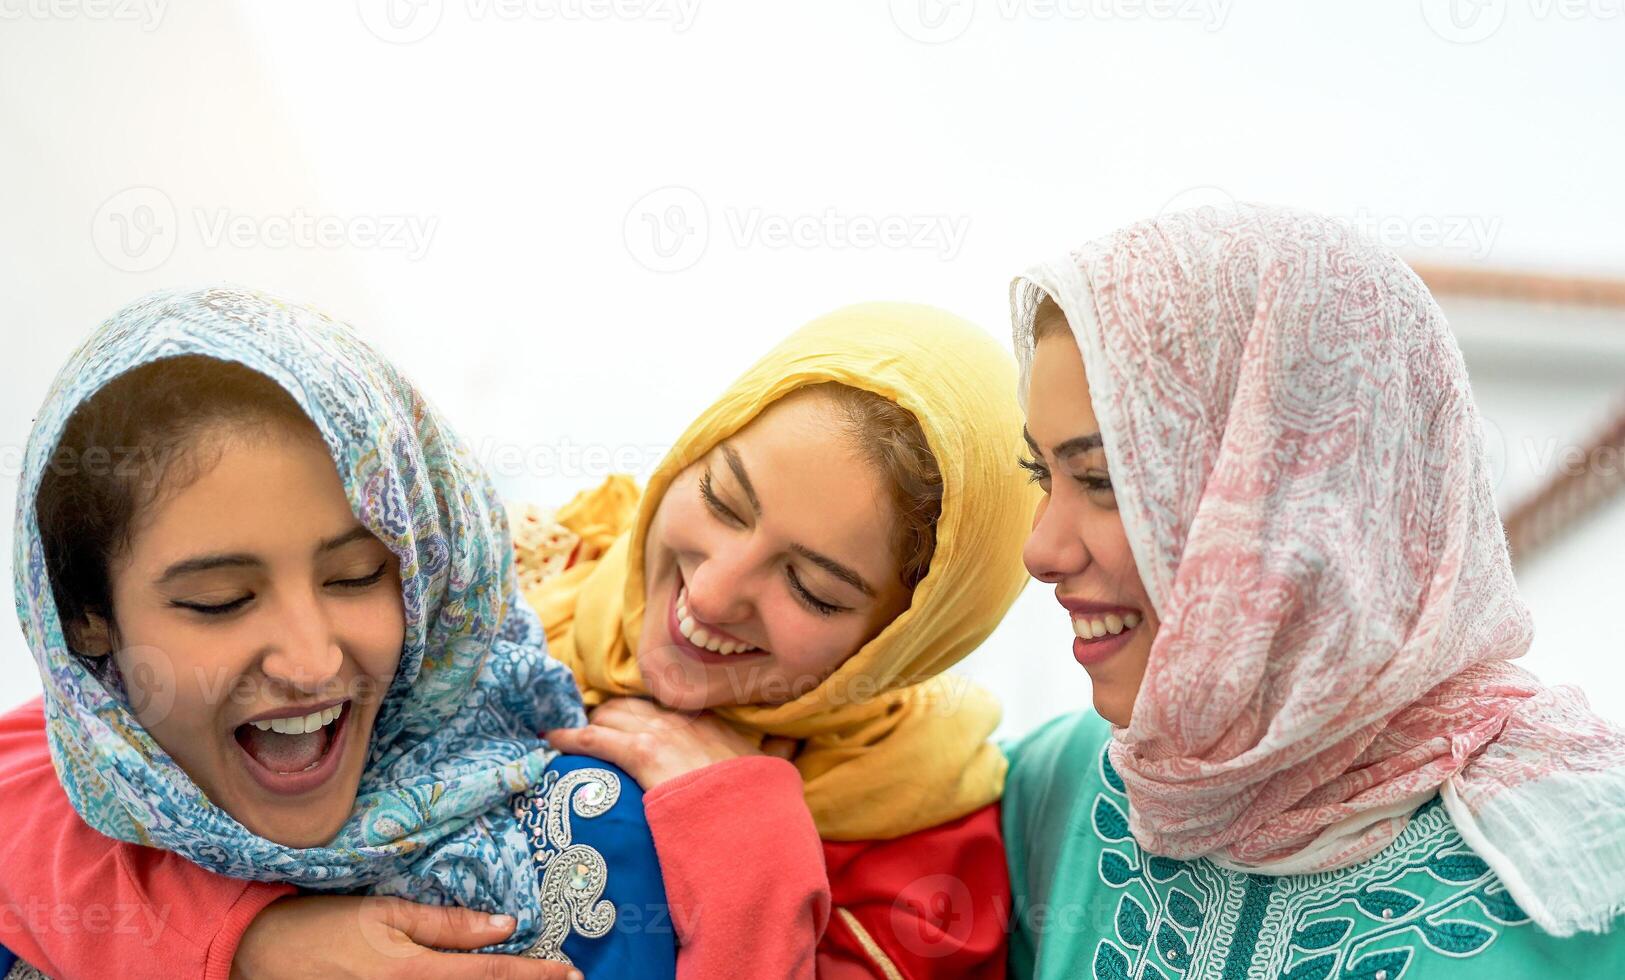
(455,736)
(641,941)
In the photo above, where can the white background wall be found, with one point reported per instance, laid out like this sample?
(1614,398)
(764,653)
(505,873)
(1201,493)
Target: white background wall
(491,174)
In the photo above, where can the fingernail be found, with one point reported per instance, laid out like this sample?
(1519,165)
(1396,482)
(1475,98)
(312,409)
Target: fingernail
(576,975)
(502,921)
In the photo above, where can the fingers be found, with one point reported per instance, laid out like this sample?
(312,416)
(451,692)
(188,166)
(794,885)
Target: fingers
(625,749)
(638,714)
(486,966)
(447,927)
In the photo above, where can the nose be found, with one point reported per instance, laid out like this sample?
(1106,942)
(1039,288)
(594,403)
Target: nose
(1055,549)
(305,656)
(721,588)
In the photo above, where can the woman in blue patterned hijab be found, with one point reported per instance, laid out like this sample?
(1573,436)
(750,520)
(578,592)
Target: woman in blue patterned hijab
(364,738)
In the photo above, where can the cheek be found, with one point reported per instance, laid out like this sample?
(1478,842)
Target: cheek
(175,673)
(679,525)
(807,643)
(1110,548)
(375,630)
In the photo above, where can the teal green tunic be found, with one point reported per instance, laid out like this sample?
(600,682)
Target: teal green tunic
(1090,903)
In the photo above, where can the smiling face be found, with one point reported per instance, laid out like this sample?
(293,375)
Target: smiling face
(257,626)
(768,563)
(1078,543)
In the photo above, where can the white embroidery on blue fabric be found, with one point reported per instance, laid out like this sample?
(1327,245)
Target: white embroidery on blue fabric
(573,875)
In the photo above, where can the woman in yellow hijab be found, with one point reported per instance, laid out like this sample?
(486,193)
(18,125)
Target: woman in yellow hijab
(838,529)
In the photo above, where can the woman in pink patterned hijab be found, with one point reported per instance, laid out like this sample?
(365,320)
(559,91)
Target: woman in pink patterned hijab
(1269,514)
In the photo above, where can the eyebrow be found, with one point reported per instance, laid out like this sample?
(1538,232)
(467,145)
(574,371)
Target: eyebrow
(1071,447)
(825,562)
(737,465)
(206,563)
(836,569)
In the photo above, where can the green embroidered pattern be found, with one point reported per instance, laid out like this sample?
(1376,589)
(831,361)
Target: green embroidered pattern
(1426,895)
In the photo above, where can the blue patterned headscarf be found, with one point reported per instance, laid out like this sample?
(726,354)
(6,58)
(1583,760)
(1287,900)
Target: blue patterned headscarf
(456,734)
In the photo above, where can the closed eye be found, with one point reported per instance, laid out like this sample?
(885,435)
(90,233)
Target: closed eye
(723,512)
(365,580)
(809,600)
(1036,472)
(213,609)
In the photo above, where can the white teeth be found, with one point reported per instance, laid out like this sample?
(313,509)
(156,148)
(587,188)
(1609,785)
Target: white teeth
(314,721)
(699,635)
(1091,628)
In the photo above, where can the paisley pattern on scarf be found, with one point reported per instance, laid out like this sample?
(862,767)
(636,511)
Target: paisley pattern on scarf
(1300,470)
(455,737)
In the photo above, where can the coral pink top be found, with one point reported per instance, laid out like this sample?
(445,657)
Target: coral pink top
(752,889)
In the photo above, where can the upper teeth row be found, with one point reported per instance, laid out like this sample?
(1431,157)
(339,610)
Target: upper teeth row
(1110,623)
(699,635)
(299,726)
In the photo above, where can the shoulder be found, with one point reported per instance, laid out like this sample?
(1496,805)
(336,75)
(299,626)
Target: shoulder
(1062,755)
(970,848)
(590,839)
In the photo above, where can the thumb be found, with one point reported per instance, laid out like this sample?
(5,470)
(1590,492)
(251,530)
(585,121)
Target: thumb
(780,747)
(446,926)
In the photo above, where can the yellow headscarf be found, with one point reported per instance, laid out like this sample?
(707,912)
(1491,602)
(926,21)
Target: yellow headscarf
(916,753)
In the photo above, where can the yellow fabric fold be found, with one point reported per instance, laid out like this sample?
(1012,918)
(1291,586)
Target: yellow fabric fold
(889,746)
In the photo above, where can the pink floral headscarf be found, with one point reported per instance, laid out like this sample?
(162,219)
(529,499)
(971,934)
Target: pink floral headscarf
(1299,467)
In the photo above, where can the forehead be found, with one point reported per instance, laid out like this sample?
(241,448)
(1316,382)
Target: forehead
(815,485)
(1058,400)
(269,491)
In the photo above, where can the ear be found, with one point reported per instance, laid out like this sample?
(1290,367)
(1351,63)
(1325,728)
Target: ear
(91,637)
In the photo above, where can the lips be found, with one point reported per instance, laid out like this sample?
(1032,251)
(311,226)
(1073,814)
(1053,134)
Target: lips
(674,629)
(1100,629)
(290,761)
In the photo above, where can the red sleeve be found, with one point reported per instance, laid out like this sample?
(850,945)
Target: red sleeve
(932,904)
(743,867)
(73,901)
(735,840)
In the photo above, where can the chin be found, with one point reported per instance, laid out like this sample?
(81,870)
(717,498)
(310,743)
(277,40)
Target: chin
(1110,706)
(301,834)
(672,692)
